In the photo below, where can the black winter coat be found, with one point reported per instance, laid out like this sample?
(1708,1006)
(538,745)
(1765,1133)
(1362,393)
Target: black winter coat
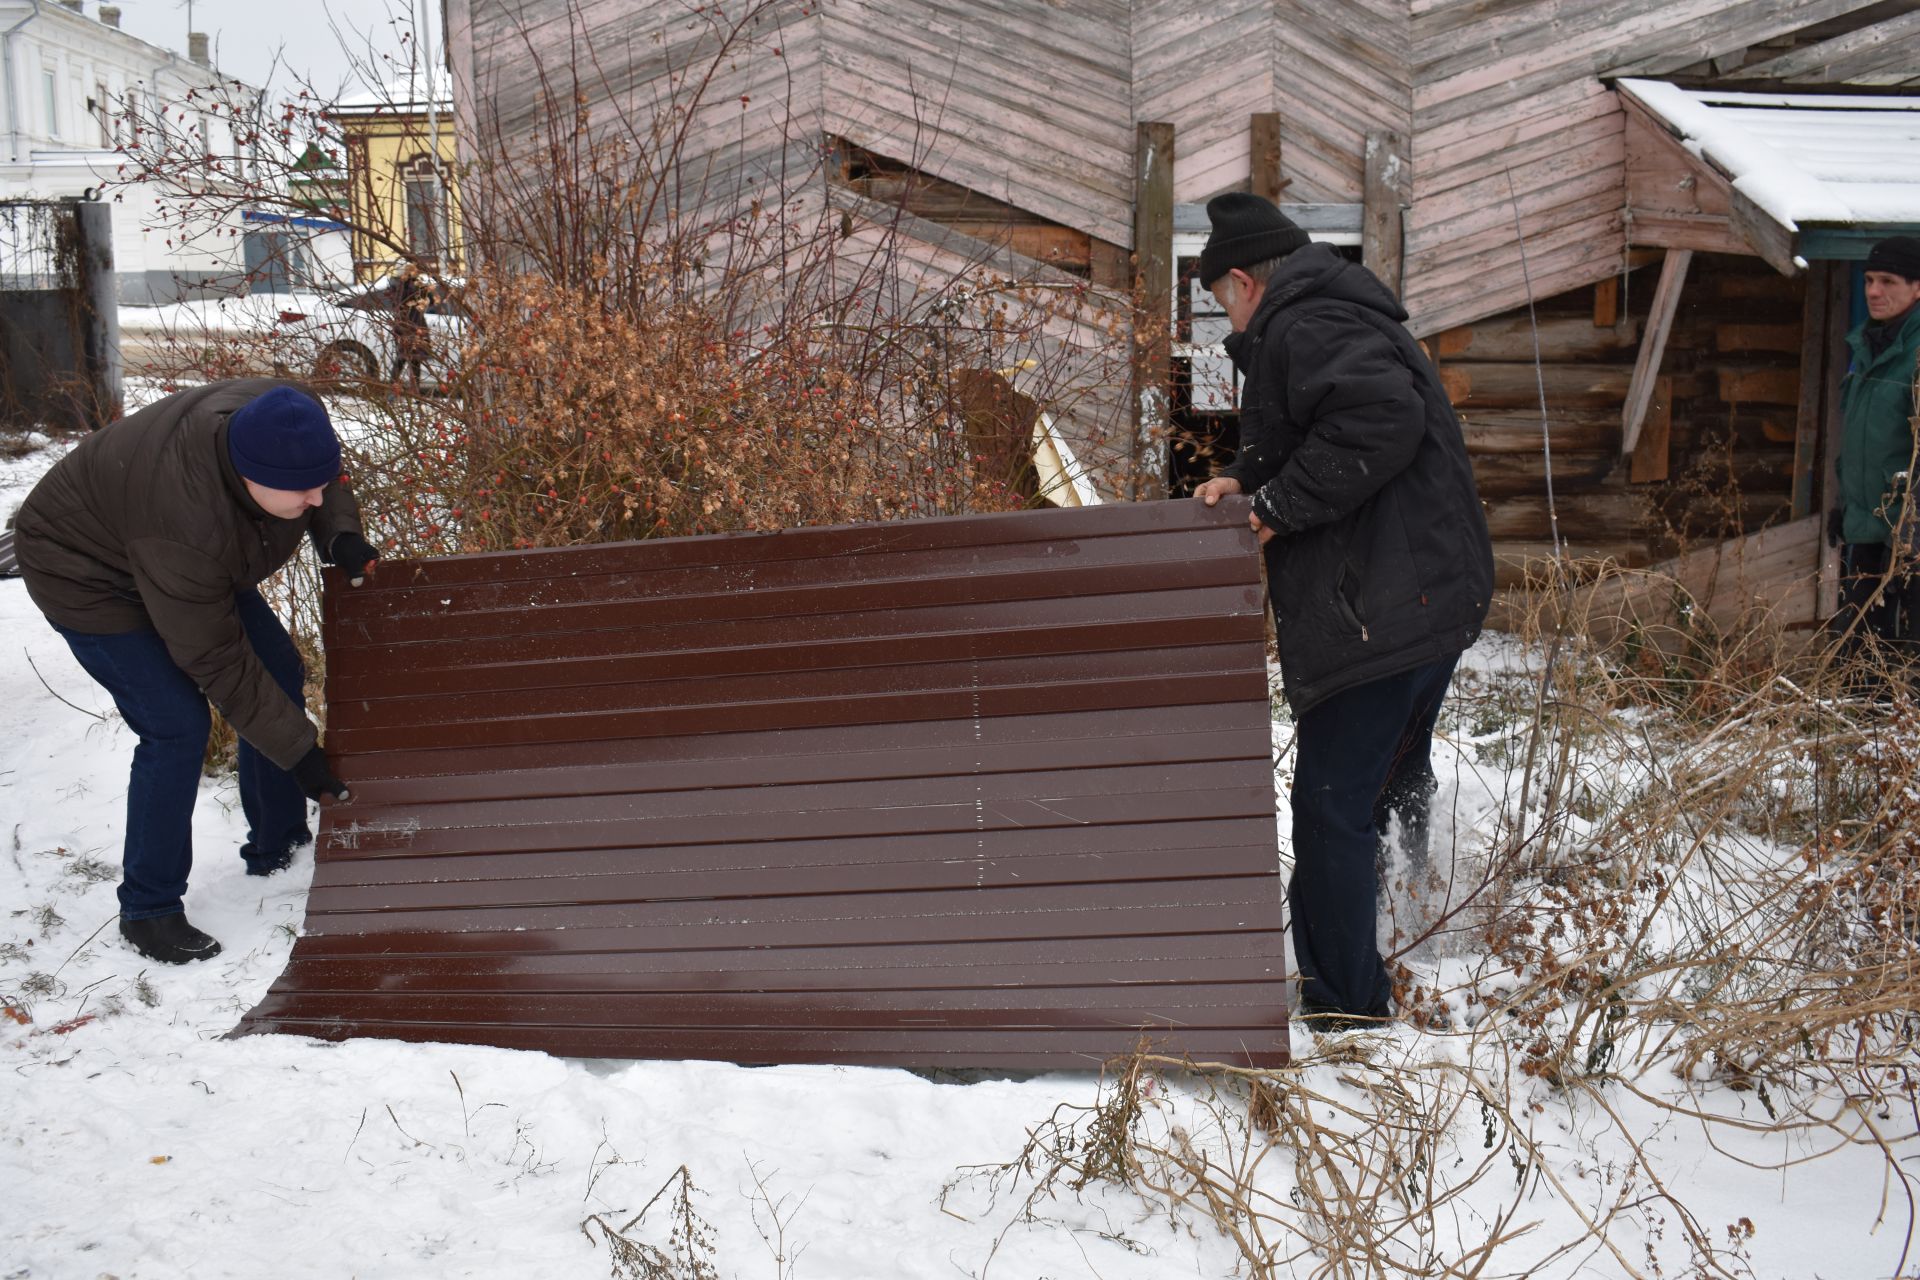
(1381,561)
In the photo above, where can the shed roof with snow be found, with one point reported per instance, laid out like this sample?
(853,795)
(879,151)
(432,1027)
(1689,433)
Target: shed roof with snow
(1825,174)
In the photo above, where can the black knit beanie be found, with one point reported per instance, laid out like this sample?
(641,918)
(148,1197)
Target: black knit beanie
(1898,254)
(1246,229)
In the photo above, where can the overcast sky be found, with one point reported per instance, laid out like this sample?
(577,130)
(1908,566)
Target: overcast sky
(317,41)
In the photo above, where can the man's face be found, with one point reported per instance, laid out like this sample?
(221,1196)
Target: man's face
(284,504)
(1889,295)
(1238,296)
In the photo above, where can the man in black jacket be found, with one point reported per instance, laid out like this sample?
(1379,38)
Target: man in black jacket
(1379,567)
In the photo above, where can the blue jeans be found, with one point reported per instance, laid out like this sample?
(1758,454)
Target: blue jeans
(161,703)
(1361,756)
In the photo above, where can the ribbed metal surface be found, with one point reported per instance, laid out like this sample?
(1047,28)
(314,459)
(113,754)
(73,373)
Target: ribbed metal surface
(991,790)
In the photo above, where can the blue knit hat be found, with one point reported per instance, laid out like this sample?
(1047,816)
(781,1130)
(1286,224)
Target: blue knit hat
(282,439)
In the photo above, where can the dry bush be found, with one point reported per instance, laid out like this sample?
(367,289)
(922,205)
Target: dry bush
(1695,895)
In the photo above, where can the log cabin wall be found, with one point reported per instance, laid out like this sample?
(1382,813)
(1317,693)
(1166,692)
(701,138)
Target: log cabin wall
(1716,458)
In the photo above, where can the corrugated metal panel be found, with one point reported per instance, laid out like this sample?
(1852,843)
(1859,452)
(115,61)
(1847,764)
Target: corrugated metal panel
(989,790)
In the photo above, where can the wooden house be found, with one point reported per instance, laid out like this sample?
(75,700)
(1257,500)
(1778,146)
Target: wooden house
(1625,230)
(403,201)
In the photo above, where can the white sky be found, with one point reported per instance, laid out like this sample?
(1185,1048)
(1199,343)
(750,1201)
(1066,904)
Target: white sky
(321,42)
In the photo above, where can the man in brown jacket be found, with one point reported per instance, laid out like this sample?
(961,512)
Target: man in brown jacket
(144,547)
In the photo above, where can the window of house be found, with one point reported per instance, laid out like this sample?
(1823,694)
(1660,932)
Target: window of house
(50,88)
(101,110)
(421,181)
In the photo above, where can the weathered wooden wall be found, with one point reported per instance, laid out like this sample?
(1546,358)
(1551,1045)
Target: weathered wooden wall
(1025,102)
(1340,70)
(1033,102)
(730,117)
(1233,41)
(1508,110)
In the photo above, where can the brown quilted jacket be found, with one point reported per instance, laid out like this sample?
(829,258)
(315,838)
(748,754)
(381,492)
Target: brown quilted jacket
(146,525)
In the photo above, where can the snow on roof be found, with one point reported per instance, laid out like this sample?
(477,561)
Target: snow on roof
(408,91)
(1802,158)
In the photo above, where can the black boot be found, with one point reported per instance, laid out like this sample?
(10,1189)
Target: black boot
(257,866)
(169,939)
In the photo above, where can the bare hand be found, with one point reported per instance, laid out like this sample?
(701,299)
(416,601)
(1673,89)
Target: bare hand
(1217,488)
(1261,531)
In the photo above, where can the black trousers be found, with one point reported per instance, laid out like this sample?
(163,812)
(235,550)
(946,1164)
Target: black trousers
(1361,757)
(1895,617)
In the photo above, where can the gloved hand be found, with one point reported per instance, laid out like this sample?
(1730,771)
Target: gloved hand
(1836,526)
(353,553)
(316,779)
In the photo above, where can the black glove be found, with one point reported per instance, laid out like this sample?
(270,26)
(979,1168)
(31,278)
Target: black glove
(1836,526)
(353,553)
(316,779)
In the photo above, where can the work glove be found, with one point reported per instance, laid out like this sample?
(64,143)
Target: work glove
(1836,526)
(353,553)
(316,779)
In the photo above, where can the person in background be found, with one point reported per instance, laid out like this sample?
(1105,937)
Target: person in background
(1379,568)
(412,341)
(145,548)
(1877,456)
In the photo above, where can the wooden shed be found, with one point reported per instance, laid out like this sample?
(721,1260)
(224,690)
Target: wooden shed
(1539,181)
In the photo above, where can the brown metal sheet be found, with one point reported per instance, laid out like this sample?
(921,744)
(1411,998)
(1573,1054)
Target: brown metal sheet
(980,791)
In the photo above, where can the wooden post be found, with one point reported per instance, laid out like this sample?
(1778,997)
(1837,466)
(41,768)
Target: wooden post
(1606,303)
(1836,282)
(1813,369)
(1653,345)
(1153,308)
(1263,155)
(1388,188)
(1652,456)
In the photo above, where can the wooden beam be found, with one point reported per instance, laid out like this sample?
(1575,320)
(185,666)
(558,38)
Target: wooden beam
(1263,154)
(1153,308)
(1813,364)
(1835,280)
(1652,456)
(1387,192)
(1666,301)
(1606,303)
(1558,339)
(1769,239)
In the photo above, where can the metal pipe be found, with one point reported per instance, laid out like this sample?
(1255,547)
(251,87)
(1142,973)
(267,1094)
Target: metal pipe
(425,45)
(13,97)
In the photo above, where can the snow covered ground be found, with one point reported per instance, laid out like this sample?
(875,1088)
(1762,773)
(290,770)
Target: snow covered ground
(136,1142)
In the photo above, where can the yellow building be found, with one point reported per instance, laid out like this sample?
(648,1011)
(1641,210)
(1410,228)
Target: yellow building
(403,197)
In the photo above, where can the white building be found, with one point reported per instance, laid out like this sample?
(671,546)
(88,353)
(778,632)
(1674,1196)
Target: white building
(71,85)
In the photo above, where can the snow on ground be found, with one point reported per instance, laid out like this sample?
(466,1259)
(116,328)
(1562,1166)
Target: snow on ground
(135,1141)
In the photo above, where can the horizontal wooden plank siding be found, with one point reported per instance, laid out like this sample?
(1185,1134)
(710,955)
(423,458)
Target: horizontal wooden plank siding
(989,791)
(1206,71)
(1027,103)
(1509,114)
(1340,71)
